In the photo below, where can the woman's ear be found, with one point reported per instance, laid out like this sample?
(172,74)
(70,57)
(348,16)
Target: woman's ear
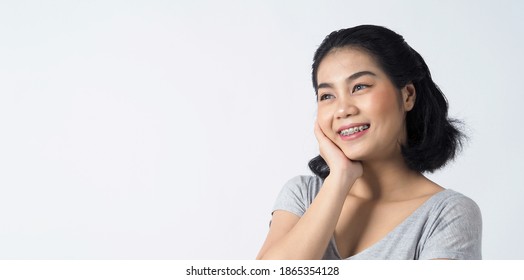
(409,94)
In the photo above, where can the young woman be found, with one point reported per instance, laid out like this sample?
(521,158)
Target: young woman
(381,123)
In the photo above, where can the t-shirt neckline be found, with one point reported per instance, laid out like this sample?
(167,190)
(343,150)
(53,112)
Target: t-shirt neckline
(419,209)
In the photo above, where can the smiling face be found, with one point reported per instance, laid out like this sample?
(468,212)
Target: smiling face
(359,108)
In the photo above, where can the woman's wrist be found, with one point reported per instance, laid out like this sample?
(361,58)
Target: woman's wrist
(344,179)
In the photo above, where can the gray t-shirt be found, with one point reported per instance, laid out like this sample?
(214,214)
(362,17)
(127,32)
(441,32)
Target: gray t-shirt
(448,225)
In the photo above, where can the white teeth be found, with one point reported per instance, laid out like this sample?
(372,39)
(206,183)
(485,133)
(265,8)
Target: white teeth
(353,130)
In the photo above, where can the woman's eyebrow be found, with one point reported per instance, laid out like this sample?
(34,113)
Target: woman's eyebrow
(358,75)
(348,79)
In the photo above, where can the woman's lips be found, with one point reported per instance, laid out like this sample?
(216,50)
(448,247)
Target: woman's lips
(353,131)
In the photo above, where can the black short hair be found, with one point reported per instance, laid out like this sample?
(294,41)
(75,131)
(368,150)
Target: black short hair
(433,139)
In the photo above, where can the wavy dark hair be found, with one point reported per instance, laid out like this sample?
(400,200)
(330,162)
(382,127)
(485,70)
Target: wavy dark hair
(433,139)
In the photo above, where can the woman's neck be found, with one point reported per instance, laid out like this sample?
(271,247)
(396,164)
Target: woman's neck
(388,180)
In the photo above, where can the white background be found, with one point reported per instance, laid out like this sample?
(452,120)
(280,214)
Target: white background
(165,129)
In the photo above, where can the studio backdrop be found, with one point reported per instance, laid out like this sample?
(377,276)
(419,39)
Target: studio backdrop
(165,129)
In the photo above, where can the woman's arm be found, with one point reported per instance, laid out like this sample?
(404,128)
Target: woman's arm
(306,237)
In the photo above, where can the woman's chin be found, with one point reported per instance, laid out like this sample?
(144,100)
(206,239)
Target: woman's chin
(353,156)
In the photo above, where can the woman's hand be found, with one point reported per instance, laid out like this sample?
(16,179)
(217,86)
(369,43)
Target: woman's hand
(339,164)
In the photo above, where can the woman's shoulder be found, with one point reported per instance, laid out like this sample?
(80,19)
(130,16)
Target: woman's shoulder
(305,184)
(439,197)
(450,205)
(298,193)
(305,180)
(454,220)
(449,198)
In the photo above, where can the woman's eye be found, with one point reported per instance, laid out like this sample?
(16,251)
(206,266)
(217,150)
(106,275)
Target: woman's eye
(359,87)
(326,96)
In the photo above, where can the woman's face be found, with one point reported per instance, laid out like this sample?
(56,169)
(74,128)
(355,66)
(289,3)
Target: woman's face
(359,108)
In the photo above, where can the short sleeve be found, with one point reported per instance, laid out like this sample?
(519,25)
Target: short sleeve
(456,232)
(294,196)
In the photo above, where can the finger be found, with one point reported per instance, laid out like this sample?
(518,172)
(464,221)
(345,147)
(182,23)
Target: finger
(322,138)
(319,133)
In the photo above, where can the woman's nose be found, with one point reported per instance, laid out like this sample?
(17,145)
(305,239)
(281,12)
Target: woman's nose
(346,109)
